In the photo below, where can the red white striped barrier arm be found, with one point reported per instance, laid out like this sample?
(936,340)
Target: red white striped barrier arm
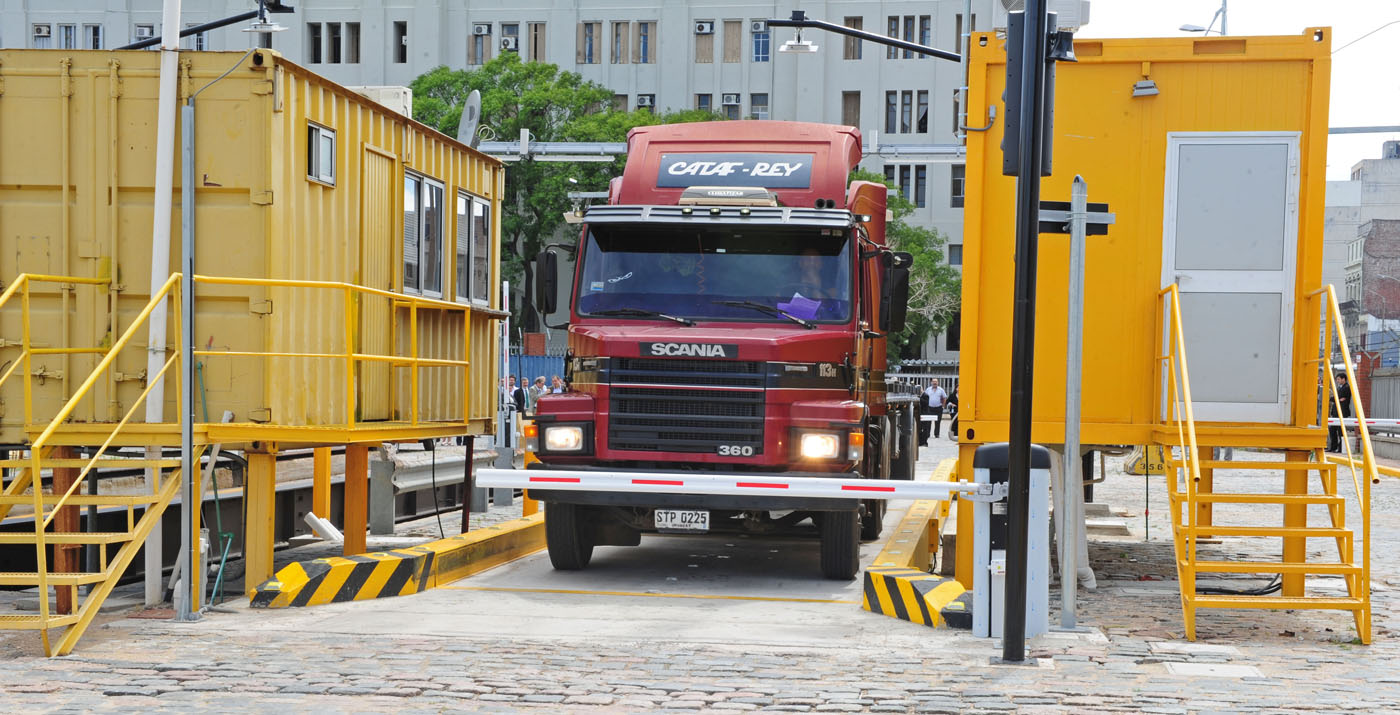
(1370,422)
(733,484)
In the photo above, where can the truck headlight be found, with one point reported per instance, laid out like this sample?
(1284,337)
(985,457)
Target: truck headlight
(819,445)
(563,438)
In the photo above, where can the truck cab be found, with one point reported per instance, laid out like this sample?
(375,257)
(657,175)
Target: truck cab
(728,313)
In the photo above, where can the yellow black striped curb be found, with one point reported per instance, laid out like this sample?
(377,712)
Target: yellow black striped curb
(402,571)
(912,595)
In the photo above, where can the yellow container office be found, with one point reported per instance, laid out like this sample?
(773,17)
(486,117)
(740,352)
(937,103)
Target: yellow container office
(326,225)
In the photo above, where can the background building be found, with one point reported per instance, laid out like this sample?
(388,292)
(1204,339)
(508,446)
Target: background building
(705,54)
(1362,253)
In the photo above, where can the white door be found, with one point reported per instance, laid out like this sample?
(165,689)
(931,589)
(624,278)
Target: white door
(1230,242)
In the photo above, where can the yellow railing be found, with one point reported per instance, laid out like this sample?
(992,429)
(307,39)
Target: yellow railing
(350,355)
(1180,412)
(1332,320)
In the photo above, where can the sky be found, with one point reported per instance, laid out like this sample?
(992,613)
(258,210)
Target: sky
(1365,83)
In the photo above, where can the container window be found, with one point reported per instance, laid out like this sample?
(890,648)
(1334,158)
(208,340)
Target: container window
(462,266)
(320,153)
(481,251)
(423,236)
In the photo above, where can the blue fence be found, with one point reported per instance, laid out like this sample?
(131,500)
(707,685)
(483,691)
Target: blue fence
(1387,344)
(529,367)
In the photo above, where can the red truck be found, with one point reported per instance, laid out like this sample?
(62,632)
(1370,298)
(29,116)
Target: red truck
(729,313)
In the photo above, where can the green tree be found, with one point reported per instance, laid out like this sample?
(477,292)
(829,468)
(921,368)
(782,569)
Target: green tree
(935,288)
(554,106)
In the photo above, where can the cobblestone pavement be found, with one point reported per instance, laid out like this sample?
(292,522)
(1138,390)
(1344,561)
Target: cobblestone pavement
(1132,657)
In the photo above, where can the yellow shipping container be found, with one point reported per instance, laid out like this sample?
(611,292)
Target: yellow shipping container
(1215,169)
(296,179)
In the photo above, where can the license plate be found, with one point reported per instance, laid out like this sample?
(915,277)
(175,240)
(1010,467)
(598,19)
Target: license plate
(682,520)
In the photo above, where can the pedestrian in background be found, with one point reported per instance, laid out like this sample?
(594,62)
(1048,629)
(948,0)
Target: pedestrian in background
(536,390)
(556,385)
(925,422)
(517,395)
(936,398)
(1334,434)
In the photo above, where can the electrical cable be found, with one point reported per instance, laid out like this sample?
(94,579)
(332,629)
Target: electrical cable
(1272,587)
(431,444)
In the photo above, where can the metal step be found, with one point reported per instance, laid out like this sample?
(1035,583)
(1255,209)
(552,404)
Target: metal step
(1312,532)
(100,463)
(1280,466)
(34,622)
(1344,603)
(31,578)
(66,537)
(1317,567)
(1243,498)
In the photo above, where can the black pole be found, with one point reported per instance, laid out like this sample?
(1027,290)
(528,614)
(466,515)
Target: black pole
(1033,58)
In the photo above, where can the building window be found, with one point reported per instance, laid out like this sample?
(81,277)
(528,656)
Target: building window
(480,50)
(92,37)
(646,101)
(889,175)
(68,37)
(892,30)
(953,340)
(313,43)
(619,102)
(925,33)
(731,110)
(588,35)
(352,43)
(732,39)
(645,52)
(400,41)
(422,235)
(955,254)
(956,186)
(891,107)
(619,43)
(473,250)
(853,47)
(958,29)
(42,37)
(906,111)
(908,34)
(957,112)
(320,153)
(921,186)
(906,188)
(704,102)
(510,36)
(705,42)
(537,42)
(333,55)
(761,45)
(758,105)
(850,109)
(143,31)
(922,111)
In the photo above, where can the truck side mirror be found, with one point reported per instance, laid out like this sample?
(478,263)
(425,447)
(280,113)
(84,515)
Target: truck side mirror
(546,281)
(894,299)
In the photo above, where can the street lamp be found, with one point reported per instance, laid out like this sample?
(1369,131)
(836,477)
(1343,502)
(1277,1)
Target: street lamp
(1220,15)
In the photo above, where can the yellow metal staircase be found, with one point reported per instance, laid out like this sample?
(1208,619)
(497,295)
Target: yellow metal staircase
(27,487)
(1306,480)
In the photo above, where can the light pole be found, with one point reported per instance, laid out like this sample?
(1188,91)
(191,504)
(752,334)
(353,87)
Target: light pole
(1222,15)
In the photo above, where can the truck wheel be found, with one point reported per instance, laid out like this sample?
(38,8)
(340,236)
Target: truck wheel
(903,467)
(840,547)
(872,520)
(570,549)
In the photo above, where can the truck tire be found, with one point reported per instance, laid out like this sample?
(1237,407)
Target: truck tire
(840,547)
(872,519)
(903,467)
(570,547)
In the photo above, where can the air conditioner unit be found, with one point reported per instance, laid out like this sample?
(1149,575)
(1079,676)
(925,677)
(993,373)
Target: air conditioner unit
(729,99)
(1072,14)
(704,28)
(45,30)
(509,43)
(645,100)
(758,26)
(481,28)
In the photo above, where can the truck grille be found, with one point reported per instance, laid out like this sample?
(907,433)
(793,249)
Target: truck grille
(675,419)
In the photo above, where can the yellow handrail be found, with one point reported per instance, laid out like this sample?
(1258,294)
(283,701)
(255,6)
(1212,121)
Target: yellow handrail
(1176,360)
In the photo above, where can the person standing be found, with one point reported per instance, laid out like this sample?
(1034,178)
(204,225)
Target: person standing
(936,398)
(556,385)
(517,395)
(1334,434)
(925,421)
(536,390)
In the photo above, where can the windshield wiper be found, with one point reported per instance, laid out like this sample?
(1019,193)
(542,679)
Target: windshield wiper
(764,307)
(643,313)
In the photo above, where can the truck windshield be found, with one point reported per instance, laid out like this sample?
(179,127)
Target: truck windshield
(718,272)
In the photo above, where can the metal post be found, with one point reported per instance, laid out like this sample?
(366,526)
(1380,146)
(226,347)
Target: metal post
(1070,520)
(190,501)
(1033,54)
